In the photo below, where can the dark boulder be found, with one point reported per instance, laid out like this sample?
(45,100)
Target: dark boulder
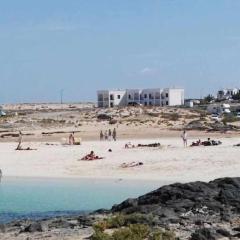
(2,228)
(223,232)
(36,227)
(204,234)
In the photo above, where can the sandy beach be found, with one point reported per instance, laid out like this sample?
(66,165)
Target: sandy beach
(170,162)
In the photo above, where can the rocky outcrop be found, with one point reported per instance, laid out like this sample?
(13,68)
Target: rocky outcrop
(220,197)
(192,206)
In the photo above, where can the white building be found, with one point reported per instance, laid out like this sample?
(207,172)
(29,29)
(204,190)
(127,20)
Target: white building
(226,94)
(108,98)
(219,108)
(146,97)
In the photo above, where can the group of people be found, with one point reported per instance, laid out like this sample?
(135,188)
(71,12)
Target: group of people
(108,135)
(208,142)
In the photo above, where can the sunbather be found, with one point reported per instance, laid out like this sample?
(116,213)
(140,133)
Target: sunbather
(129,145)
(26,149)
(132,164)
(197,143)
(149,145)
(91,156)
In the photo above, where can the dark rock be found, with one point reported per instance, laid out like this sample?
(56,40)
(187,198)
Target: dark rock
(223,232)
(237,229)
(204,234)
(216,201)
(85,221)
(237,235)
(2,228)
(36,227)
(199,222)
(61,223)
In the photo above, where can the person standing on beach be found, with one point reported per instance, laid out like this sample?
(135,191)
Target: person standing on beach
(114,134)
(19,147)
(71,139)
(106,135)
(101,135)
(109,135)
(184,138)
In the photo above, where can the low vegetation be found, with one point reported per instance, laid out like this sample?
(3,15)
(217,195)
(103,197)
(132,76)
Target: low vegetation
(229,119)
(171,116)
(130,227)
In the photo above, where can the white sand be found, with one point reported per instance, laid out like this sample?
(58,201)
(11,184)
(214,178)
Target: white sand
(168,163)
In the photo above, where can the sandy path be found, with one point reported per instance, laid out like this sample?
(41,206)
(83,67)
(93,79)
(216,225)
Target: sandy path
(170,163)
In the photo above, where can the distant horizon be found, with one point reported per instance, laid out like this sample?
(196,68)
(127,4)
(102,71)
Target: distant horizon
(82,46)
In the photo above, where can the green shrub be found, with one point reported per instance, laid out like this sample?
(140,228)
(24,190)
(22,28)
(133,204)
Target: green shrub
(171,116)
(98,235)
(139,230)
(162,235)
(123,234)
(229,119)
(100,226)
(138,218)
(133,232)
(116,221)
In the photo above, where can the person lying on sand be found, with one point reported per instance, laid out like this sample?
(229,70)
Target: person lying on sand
(197,143)
(91,156)
(129,145)
(25,149)
(149,145)
(132,164)
(209,142)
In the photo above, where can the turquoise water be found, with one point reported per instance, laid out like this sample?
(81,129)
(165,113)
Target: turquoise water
(38,198)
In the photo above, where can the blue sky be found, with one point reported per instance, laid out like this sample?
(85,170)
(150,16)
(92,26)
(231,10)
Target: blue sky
(85,45)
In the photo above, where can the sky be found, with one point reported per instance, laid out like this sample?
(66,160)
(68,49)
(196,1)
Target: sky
(82,46)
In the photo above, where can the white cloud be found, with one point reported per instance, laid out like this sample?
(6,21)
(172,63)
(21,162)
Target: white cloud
(147,71)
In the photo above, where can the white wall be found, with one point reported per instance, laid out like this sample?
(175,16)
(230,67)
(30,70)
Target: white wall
(176,97)
(118,101)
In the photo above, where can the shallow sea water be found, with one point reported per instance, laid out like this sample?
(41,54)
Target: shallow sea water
(39,198)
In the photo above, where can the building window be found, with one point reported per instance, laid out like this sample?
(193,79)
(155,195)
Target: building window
(157,95)
(136,96)
(100,97)
(118,96)
(111,97)
(129,96)
(167,103)
(145,95)
(166,95)
(111,104)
